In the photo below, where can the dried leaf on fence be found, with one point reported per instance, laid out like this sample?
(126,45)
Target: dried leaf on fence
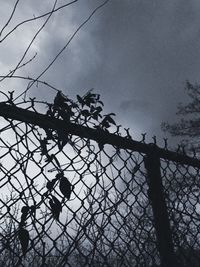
(96,112)
(90,99)
(23,236)
(50,184)
(56,207)
(43,144)
(85,113)
(105,124)
(59,99)
(109,118)
(65,187)
(24,210)
(62,139)
(80,100)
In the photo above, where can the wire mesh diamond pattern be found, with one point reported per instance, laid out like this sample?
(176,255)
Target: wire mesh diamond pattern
(67,200)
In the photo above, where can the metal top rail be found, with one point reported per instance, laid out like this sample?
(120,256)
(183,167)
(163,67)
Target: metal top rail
(98,135)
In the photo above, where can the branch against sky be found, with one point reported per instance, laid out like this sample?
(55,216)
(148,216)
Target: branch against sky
(23,63)
(188,125)
(31,19)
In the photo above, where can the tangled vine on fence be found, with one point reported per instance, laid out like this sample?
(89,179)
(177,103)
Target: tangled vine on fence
(67,200)
(34,150)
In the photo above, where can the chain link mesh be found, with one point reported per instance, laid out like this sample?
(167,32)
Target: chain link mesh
(181,183)
(71,202)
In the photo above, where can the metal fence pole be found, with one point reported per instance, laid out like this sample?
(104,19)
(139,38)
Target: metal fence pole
(161,219)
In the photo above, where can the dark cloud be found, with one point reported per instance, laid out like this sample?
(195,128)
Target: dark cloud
(148,49)
(135,104)
(136,53)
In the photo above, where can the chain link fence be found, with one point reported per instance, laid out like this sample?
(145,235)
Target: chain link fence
(71,200)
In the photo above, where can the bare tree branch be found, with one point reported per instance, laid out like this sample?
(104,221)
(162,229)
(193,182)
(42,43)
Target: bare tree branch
(10,18)
(63,49)
(36,18)
(30,44)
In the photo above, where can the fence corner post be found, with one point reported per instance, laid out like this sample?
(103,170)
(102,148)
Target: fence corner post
(160,214)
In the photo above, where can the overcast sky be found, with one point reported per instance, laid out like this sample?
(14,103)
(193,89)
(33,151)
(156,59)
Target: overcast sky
(136,53)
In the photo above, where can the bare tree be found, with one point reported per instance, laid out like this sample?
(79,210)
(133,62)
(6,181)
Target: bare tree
(188,125)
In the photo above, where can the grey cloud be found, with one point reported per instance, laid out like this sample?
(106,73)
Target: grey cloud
(150,48)
(136,105)
(135,53)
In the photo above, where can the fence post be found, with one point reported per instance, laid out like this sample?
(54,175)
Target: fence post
(161,219)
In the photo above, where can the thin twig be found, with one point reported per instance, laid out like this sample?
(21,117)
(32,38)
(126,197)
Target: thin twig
(10,18)
(66,45)
(37,17)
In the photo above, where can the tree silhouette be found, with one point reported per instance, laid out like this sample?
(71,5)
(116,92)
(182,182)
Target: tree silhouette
(188,126)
